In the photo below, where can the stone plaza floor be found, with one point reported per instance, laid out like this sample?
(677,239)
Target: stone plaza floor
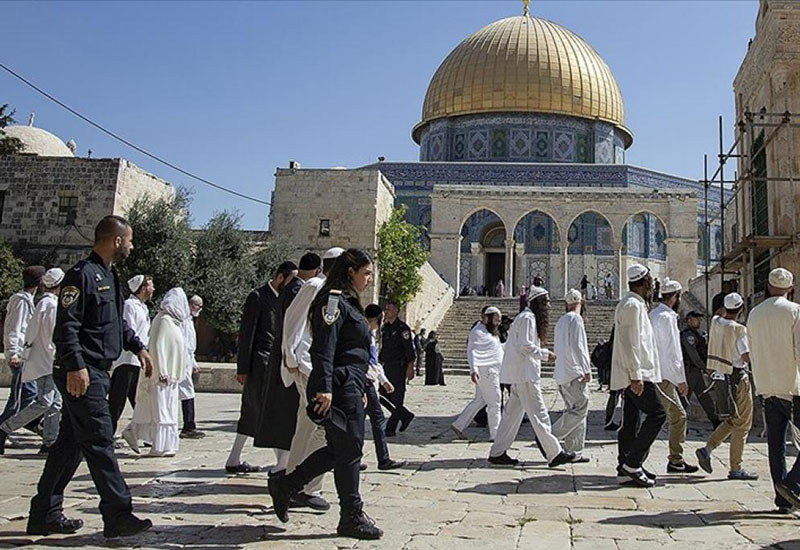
(447,496)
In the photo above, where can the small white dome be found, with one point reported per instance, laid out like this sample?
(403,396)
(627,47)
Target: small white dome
(38,142)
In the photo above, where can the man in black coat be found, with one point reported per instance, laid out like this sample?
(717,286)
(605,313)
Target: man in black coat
(398,358)
(257,336)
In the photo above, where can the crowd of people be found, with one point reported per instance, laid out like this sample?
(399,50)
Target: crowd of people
(314,363)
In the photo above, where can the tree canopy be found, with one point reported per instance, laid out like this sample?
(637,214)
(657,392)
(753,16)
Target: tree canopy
(400,255)
(8,144)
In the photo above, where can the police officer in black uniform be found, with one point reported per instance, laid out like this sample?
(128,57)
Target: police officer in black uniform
(695,352)
(89,335)
(336,385)
(397,356)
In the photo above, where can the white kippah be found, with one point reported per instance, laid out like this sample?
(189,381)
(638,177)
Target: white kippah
(573,296)
(637,272)
(669,286)
(333,253)
(53,277)
(536,291)
(781,278)
(135,282)
(733,301)
(491,311)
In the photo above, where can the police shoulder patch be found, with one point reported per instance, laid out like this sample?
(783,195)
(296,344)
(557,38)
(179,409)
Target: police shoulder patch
(69,295)
(406,334)
(330,313)
(691,339)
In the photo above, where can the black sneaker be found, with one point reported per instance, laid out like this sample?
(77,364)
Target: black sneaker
(681,468)
(637,478)
(562,458)
(391,465)
(127,527)
(358,525)
(281,495)
(243,468)
(302,500)
(62,526)
(649,474)
(704,459)
(404,425)
(192,434)
(786,492)
(503,460)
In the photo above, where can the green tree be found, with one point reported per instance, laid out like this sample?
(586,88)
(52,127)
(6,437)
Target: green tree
(162,241)
(223,271)
(8,145)
(400,255)
(267,255)
(10,274)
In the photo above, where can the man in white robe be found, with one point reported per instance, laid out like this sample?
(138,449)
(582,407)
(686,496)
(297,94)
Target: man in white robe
(522,366)
(155,417)
(186,385)
(485,357)
(572,373)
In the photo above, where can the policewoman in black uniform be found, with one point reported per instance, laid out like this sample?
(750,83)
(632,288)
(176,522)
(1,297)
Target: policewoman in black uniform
(89,335)
(336,386)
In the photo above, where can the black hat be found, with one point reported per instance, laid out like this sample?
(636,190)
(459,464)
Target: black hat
(694,313)
(32,275)
(372,311)
(310,261)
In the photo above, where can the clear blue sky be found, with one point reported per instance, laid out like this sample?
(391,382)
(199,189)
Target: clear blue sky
(233,90)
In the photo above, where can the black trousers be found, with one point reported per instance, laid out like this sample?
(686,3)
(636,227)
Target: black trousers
(85,432)
(636,436)
(697,385)
(378,422)
(396,373)
(778,414)
(123,386)
(187,406)
(343,451)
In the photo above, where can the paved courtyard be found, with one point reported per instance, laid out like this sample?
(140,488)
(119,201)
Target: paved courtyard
(447,497)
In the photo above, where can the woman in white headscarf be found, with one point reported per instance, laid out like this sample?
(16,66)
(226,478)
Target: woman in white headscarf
(155,417)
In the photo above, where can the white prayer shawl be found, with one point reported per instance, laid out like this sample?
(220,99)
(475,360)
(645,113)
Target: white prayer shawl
(774,330)
(483,349)
(167,340)
(664,321)
(18,313)
(524,353)
(137,315)
(634,356)
(571,349)
(40,352)
(296,338)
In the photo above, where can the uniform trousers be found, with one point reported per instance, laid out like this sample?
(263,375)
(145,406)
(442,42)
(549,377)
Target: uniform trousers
(487,394)
(308,437)
(737,426)
(46,405)
(343,450)
(20,396)
(697,386)
(378,422)
(636,436)
(676,418)
(124,381)
(396,373)
(85,432)
(571,425)
(779,415)
(527,398)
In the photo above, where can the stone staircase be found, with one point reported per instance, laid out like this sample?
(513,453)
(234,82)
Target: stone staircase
(454,328)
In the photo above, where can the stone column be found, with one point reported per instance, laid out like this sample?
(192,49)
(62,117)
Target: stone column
(446,256)
(682,259)
(509,271)
(477,268)
(520,267)
(565,266)
(621,274)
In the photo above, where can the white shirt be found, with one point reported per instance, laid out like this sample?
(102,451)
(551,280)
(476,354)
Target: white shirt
(571,349)
(484,349)
(742,345)
(774,330)
(668,344)
(40,352)
(524,354)
(136,314)
(18,313)
(634,356)
(296,339)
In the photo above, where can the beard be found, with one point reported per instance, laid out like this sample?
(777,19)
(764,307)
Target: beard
(677,305)
(492,327)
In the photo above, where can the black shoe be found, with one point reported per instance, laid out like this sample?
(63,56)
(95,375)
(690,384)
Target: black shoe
(127,527)
(704,459)
(362,467)
(302,500)
(281,495)
(62,526)
(391,464)
(611,427)
(788,494)
(561,458)
(404,424)
(44,449)
(580,459)
(649,474)
(390,433)
(243,468)
(638,478)
(503,460)
(623,474)
(192,434)
(276,473)
(681,468)
(358,525)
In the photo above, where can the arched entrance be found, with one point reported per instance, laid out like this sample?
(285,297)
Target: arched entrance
(483,253)
(644,241)
(537,239)
(591,252)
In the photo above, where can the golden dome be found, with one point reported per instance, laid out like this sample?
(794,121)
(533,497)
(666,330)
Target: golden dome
(524,64)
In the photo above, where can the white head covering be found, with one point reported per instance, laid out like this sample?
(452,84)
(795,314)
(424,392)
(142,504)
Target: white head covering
(733,301)
(491,311)
(669,286)
(781,278)
(176,305)
(573,297)
(536,291)
(637,272)
(333,253)
(53,277)
(135,282)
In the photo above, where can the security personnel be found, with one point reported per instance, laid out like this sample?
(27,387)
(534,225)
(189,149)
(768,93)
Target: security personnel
(695,352)
(397,357)
(340,359)
(90,334)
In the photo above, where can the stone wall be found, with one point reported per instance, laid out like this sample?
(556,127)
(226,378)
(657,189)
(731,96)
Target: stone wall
(133,183)
(431,303)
